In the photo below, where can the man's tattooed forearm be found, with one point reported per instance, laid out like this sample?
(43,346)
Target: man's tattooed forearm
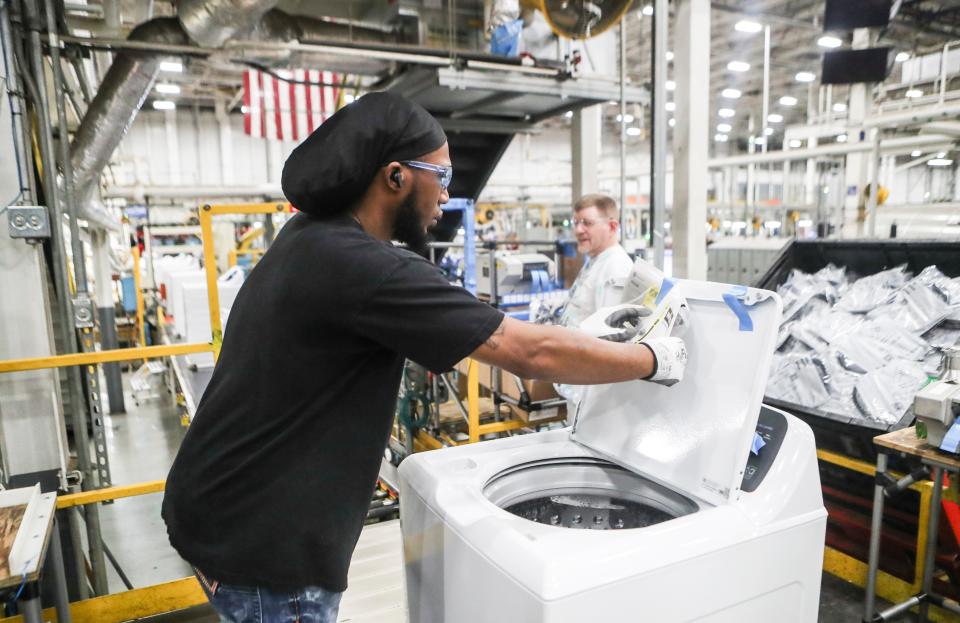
(492,341)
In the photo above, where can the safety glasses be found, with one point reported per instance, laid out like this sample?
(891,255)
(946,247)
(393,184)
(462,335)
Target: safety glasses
(444,174)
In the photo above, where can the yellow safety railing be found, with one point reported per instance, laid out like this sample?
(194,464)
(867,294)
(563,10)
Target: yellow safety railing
(133,604)
(207,212)
(178,594)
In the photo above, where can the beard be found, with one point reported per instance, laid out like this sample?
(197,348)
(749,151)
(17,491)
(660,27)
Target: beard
(408,228)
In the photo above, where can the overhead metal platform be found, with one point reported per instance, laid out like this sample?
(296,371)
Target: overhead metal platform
(482,104)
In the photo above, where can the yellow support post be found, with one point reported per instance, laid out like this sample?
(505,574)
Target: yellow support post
(103,356)
(141,332)
(473,401)
(210,266)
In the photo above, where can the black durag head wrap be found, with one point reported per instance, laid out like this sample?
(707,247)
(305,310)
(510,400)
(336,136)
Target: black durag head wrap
(330,170)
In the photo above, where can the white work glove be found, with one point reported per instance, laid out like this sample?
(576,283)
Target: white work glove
(624,323)
(619,323)
(669,359)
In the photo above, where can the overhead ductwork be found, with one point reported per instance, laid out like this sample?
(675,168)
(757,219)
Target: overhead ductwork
(113,110)
(129,80)
(208,23)
(211,23)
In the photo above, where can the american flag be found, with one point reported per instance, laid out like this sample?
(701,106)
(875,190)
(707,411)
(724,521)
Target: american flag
(279,109)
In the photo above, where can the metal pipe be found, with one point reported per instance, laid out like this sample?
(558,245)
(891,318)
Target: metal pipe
(766,87)
(24,178)
(658,144)
(837,149)
(929,556)
(895,611)
(874,185)
(58,576)
(623,123)
(79,258)
(876,524)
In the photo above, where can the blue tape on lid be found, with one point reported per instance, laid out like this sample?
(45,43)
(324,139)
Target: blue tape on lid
(665,286)
(737,306)
(758,443)
(951,441)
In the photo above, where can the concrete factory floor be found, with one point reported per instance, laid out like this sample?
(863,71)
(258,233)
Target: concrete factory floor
(142,443)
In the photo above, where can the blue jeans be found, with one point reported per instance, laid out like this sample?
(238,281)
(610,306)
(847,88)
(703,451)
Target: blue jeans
(255,604)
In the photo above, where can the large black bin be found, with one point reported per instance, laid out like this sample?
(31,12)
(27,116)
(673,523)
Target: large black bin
(852,436)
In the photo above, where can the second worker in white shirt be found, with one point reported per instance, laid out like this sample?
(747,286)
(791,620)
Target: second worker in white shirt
(596,224)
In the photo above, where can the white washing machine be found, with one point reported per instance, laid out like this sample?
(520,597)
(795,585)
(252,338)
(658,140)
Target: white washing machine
(653,507)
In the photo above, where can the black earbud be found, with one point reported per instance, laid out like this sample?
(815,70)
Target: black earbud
(397,177)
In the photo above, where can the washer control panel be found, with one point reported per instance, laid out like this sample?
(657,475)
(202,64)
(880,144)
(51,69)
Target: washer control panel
(772,427)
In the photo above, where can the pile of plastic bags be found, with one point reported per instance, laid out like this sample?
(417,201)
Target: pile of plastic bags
(861,348)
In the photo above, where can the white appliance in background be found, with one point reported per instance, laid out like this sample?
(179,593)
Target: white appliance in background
(173,288)
(652,507)
(517,273)
(196,311)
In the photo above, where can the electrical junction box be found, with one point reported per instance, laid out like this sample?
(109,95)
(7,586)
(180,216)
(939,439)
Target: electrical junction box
(30,222)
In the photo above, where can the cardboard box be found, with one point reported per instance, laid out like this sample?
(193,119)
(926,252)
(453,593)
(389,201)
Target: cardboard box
(484,375)
(571,268)
(536,390)
(541,416)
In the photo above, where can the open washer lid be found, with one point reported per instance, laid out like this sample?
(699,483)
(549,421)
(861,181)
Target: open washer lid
(693,436)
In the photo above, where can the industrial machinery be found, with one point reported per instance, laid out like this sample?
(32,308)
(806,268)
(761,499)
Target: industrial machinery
(652,488)
(514,273)
(936,406)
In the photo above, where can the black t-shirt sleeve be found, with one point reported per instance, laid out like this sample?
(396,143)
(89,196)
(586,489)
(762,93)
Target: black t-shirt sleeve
(414,311)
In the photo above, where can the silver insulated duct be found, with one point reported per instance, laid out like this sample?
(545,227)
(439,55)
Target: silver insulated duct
(114,108)
(130,78)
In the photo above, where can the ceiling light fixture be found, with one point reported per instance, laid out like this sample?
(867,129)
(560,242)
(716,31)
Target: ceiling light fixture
(788,100)
(720,138)
(748,26)
(738,66)
(940,162)
(795,143)
(839,107)
(164,105)
(723,128)
(671,85)
(169,89)
(775,118)
(913,93)
(174,66)
(726,113)
(647,10)
(828,41)
(805,76)
(731,94)
(902,56)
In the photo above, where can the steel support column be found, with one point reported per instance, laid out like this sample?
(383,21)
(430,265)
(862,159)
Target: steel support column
(585,143)
(692,67)
(106,314)
(851,221)
(658,143)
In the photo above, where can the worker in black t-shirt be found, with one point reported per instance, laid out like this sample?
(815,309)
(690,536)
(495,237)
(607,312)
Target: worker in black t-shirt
(269,491)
